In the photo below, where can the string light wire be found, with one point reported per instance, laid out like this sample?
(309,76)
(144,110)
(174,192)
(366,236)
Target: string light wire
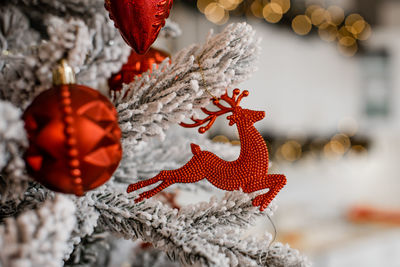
(270,244)
(204,80)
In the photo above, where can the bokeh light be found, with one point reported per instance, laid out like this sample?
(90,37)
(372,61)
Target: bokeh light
(347,41)
(348,50)
(291,151)
(358,27)
(331,23)
(301,24)
(235,142)
(333,150)
(215,12)
(328,31)
(272,12)
(284,4)
(340,143)
(358,149)
(220,139)
(365,34)
(202,4)
(257,9)
(352,18)
(229,4)
(319,16)
(336,15)
(310,9)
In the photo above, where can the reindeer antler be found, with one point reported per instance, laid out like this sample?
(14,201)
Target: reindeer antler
(212,115)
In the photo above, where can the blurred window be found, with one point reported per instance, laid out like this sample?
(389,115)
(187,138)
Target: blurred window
(376,82)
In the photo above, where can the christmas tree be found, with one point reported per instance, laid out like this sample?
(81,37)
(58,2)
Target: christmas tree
(40,227)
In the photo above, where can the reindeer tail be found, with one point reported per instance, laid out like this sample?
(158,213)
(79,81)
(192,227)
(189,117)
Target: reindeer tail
(195,149)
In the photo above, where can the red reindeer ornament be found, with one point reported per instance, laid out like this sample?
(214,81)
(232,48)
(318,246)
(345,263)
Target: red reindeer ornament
(249,172)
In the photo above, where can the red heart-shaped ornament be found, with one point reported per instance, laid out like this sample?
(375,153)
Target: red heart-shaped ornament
(139,21)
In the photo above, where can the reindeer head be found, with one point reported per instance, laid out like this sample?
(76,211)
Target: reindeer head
(244,117)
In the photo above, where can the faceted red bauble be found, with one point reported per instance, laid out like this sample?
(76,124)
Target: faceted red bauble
(74,139)
(139,21)
(136,65)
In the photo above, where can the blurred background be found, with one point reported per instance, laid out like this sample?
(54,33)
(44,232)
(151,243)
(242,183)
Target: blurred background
(328,81)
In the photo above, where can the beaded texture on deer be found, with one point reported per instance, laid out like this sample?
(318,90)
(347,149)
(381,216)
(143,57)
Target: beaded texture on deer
(249,172)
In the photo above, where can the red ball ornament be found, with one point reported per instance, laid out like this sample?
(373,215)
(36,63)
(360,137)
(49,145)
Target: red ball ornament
(136,65)
(74,139)
(139,21)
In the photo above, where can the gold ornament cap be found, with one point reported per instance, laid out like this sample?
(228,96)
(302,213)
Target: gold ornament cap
(63,74)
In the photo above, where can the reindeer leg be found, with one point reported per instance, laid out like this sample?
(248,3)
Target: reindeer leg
(154,191)
(181,175)
(141,184)
(275,183)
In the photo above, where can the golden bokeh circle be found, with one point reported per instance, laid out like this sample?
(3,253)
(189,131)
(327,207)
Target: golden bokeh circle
(257,9)
(365,34)
(347,50)
(228,4)
(224,19)
(333,150)
(337,147)
(358,26)
(214,12)
(319,16)
(336,14)
(221,139)
(301,24)
(272,12)
(310,9)
(284,4)
(343,32)
(347,41)
(352,18)
(202,4)
(327,31)
(291,151)
(342,140)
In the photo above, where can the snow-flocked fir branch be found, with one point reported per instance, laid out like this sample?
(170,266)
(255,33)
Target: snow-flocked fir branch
(32,198)
(15,28)
(13,141)
(91,251)
(91,44)
(75,7)
(154,101)
(199,233)
(170,30)
(38,237)
(150,257)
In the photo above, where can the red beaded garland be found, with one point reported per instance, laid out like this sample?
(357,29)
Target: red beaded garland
(249,172)
(74,139)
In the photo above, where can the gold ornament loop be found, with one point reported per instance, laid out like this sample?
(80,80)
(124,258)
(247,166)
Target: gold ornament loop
(63,74)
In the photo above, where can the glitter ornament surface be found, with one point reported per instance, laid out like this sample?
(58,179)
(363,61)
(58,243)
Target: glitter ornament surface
(138,21)
(74,139)
(249,172)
